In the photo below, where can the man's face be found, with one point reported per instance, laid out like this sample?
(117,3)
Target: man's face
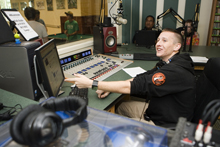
(69,17)
(149,23)
(189,27)
(166,45)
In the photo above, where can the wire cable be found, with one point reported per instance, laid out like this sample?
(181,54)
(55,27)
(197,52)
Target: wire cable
(111,9)
(215,116)
(209,108)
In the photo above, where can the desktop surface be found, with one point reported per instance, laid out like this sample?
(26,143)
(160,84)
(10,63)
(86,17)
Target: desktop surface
(105,129)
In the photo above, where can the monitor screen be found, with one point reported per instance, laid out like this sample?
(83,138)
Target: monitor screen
(48,62)
(21,25)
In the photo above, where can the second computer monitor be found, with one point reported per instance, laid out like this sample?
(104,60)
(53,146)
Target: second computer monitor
(52,76)
(146,38)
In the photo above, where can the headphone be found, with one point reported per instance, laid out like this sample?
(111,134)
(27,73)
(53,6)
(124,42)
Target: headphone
(39,125)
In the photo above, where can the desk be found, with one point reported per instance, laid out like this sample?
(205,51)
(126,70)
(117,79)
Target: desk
(98,124)
(61,38)
(109,102)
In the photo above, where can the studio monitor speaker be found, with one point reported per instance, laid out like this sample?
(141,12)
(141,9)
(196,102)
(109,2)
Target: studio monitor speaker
(105,39)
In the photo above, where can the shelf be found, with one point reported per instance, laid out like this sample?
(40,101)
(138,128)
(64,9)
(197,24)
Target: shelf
(215,35)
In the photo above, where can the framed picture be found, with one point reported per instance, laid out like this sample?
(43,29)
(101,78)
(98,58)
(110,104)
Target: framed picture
(31,3)
(72,4)
(50,5)
(40,4)
(60,4)
(15,6)
(23,5)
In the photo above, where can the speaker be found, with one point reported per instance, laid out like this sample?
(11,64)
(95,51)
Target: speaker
(105,39)
(39,125)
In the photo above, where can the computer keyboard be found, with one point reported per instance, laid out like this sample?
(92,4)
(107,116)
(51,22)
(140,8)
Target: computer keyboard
(82,93)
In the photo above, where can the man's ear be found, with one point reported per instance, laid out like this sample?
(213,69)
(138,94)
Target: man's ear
(177,47)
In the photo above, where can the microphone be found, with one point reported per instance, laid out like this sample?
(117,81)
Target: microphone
(121,20)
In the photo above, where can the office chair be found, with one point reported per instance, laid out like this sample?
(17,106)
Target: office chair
(207,87)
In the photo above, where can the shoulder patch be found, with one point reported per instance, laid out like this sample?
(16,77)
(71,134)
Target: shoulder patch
(158,79)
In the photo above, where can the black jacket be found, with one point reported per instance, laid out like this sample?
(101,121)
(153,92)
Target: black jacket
(171,89)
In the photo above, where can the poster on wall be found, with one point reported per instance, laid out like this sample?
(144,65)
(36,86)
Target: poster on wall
(15,6)
(23,5)
(60,4)
(31,3)
(49,5)
(40,5)
(72,4)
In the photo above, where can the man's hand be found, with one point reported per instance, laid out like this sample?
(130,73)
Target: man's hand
(81,81)
(102,94)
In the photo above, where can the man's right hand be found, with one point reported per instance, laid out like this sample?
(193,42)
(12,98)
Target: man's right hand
(102,94)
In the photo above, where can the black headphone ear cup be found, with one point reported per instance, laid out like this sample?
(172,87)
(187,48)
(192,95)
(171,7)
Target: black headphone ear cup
(17,122)
(27,126)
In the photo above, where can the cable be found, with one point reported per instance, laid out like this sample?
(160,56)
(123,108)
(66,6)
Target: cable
(210,109)
(215,116)
(210,113)
(111,9)
(9,113)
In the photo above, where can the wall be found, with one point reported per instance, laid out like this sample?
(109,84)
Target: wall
(205,15)
(185,8)
(52,18)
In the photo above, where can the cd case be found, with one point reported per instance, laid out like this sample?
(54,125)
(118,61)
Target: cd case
(102,129)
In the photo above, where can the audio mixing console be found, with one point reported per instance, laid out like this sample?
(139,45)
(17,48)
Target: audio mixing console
(97,67)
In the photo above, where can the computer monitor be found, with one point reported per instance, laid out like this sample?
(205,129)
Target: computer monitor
(49,68)
(146,38)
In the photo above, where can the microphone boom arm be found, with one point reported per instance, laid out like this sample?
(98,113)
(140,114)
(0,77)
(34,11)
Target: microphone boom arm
(176,15)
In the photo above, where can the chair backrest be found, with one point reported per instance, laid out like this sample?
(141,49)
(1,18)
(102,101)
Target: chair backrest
(207,87)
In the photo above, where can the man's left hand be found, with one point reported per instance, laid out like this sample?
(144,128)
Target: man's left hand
(81,81)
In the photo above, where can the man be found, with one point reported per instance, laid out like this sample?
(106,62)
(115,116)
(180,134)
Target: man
(189,25)
(37,18)
(71,27)
(170,85)
(149,25)
(40,29)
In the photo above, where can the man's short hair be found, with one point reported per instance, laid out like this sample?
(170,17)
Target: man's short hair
(151,17)
(38,12)
(178,36)
(30,13)
(189,21)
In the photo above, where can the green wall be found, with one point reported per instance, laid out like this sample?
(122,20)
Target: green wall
(149,8)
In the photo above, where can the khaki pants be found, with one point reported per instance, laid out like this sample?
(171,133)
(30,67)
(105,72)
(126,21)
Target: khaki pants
(134,110)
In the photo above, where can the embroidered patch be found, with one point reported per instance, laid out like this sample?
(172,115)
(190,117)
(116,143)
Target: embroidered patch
(158,79)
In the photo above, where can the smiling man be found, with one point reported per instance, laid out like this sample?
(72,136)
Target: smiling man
(170,85)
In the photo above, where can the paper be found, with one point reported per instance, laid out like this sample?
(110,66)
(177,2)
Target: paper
(134,71)
(199,59)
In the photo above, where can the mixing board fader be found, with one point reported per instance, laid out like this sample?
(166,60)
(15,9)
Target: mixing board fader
(97,67)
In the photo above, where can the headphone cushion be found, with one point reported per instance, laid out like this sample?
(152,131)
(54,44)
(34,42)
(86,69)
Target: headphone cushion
(27,126)
(17,122)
